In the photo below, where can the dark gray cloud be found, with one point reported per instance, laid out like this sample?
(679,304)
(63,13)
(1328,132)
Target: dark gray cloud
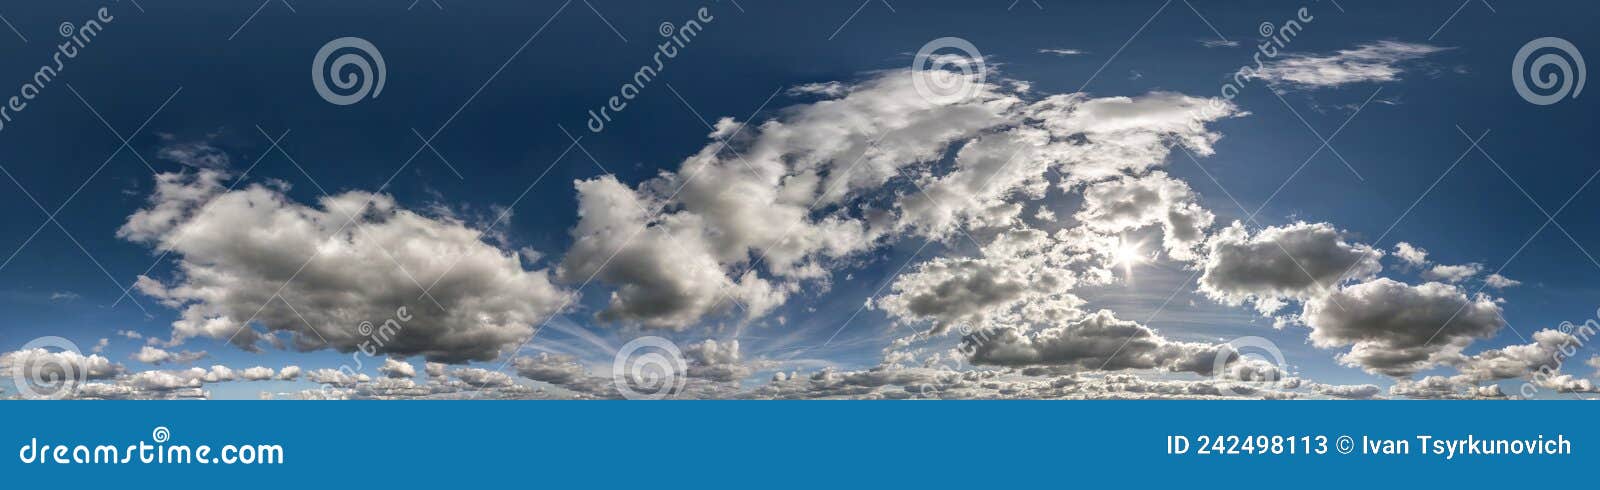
(1398,329)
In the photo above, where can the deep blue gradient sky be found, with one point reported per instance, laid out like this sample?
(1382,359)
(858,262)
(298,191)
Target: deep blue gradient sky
(512,131)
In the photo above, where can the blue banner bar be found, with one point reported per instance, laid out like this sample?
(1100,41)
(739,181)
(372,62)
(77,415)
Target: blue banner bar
(973,444)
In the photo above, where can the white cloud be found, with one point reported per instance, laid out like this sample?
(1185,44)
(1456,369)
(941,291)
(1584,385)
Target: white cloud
(1381,61)
(395,368)
(197,154)
(289,373)
(1397,329)
(1547,352)
(1023,277)
(44,364)
(1098,342)
(1359,392)
(1130,203)
(1298,261)
(238,249)
(1063,51)
(1410,255)
(156,356)
(1453,273)
(257,373)
(716,361)
(869,161)
(1498,281)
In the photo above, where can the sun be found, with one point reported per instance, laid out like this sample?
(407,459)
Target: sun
(1127,255)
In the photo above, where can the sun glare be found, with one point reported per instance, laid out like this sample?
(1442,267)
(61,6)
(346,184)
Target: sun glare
(1127,255)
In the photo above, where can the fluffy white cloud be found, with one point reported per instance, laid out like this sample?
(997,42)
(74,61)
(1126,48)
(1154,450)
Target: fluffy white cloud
(395,368)
(1410,255)
(47,365)
(1098,342)
(237,251)
(257,373)
(289,373)
(1440,387)
(1498,281)
(1024,277)
(716,361)
(1381,61)
(1453,273)
(1131,203)
(156,356)
(1548,351)
(1297,261)
(336,377)
(1398,329)
(827,180)
(1359,392)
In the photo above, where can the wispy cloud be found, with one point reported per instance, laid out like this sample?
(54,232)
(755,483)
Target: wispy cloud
(1063,51)
(1382,61)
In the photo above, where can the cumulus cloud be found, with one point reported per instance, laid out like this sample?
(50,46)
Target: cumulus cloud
(1023,277)
(1098,342)
(1546,354)
(1382,61)
(1441,387)
(156,356)
(395,368)
(336,377)
(825,181)
(1410,255)
(1357,392)
(359,256)
(44,364)
(1131,203)
(1453,273)
(289,373)
(1498,281)
(716,361)
(257,373)
(1297,261)
(890,382)
(556,369)
(1397,329)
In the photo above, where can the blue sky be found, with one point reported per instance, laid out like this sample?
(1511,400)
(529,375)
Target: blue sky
(499,86)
